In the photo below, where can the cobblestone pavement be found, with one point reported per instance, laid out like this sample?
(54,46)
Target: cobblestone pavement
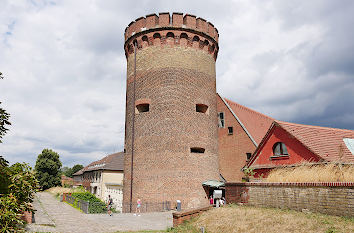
(55,216)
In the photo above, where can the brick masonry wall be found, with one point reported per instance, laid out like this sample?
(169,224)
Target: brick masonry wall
(327,198)
(173,75)
(232,149)
(27,217)
(180,217)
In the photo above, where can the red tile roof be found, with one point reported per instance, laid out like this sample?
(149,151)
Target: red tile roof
(114,162)
(257,124)
(326,142)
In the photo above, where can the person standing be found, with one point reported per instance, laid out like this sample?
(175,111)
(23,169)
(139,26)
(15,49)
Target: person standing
(109,205)
(223,200)
(138,206)
(211,200)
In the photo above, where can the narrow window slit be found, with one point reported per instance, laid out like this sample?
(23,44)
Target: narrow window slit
(230,130)
(197,150)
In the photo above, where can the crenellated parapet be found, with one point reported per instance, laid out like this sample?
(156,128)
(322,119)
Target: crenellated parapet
(178,30)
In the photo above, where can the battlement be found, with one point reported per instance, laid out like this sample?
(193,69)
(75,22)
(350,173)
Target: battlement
(177,20)
(185,30)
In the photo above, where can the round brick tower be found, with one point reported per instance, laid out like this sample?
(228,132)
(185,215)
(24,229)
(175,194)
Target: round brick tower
(171,118)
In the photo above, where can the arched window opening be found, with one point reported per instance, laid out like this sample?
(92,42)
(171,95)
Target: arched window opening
(145,41)
(170,35)
(142,108)
(157,36)
(201,108)
(211,48)
(135,43)
(130,49)
(145,38)
(195,38)
(197,150)
(279,149)
(184,36)
(206,43)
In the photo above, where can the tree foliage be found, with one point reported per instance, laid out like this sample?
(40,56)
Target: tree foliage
(77,168)
(69,172)
(48,169)
(4,119)
(18,185)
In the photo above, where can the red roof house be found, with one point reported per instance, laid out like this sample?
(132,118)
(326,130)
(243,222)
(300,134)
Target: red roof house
(290,144)
(240,131)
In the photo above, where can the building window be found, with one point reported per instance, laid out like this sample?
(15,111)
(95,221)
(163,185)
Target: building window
(248,156)
(279,149)
(197,150)
(221,120)
(142,108)
(230,130)
(201,108)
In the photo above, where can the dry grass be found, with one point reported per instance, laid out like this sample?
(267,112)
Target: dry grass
(60,190)
(250,219)
(332,172)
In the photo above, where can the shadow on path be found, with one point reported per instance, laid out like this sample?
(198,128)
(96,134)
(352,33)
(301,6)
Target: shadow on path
(55,216)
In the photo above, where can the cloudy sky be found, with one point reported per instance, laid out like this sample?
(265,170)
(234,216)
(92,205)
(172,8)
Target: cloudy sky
(65,68)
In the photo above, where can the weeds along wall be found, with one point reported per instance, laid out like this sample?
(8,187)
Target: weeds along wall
(335,198)
(171,118)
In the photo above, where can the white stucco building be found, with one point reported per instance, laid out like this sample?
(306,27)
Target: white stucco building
(104,177)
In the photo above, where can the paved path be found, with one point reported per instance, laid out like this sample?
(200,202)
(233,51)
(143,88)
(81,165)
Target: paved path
(55,216)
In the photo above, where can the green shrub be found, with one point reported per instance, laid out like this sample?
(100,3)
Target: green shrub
(16,194)
(96,205)
(86,196)
(10,217)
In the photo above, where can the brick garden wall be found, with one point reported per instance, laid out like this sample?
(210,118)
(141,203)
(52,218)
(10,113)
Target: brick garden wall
(180,217)
(328,198)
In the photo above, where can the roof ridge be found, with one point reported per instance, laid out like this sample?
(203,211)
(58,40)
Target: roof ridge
(248,109)
(313,126)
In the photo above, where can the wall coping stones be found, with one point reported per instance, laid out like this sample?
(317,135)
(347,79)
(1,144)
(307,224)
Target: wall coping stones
(298,184)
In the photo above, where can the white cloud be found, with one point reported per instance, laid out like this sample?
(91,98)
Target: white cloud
(65,67)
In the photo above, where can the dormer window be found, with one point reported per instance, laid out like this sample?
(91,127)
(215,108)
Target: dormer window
(279,149)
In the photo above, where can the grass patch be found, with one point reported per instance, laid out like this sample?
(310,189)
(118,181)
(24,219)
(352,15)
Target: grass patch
(57,191)
(307,172)
(235,218)
(139,231)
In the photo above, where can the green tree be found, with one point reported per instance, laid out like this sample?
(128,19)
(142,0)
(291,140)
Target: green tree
(48,169)
(17,186)
(17,192)
(4,119)
(66,171)
(4,175)
(77,168)
(73,170)
(69,172)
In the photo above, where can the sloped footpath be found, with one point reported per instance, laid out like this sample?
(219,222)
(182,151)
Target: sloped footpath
(55,216)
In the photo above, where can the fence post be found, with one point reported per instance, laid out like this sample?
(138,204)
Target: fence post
(87,207)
